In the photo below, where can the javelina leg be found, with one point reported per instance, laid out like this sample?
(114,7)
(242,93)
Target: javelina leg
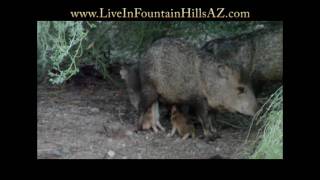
(202,115)
(154,128)
(156,116)
(148,97)
(186,136)
(172,132)
(155,112)
(213,118)
(160,126)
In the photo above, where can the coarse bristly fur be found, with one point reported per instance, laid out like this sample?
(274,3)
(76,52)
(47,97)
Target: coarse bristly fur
(181,124)
(175,71)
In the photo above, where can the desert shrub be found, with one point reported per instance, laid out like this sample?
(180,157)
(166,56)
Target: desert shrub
(268,143)
(59,46)
(64,46)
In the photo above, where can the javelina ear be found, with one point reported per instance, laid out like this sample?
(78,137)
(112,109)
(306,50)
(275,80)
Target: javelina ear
(224,71)
(124,72)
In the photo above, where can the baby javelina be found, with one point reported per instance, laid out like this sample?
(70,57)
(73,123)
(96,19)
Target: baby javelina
(180,122)
(151,119)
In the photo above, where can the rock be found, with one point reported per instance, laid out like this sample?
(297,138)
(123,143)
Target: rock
(115,126)
(139,156)
(129,133)
(109,140)
(94,110)
(200,145)
(111,153)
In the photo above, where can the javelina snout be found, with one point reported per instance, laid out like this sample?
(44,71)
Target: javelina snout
(226,89)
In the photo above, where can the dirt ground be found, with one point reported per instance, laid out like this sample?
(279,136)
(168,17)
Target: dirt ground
(93,119)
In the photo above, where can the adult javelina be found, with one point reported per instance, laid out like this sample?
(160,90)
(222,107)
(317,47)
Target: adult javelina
(258,53)
(180,74)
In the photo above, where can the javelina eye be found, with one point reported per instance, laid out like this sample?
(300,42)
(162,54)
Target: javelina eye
(240,90)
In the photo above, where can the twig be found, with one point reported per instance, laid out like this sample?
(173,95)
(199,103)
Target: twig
(105,130)
(238,127)
(114,82)
(120,116)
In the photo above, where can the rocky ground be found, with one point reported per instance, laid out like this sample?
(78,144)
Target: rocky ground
(92,118)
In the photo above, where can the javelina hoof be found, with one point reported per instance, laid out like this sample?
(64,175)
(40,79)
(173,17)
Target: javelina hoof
(155,129)
(186,136)
(160,126)
(169,135)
